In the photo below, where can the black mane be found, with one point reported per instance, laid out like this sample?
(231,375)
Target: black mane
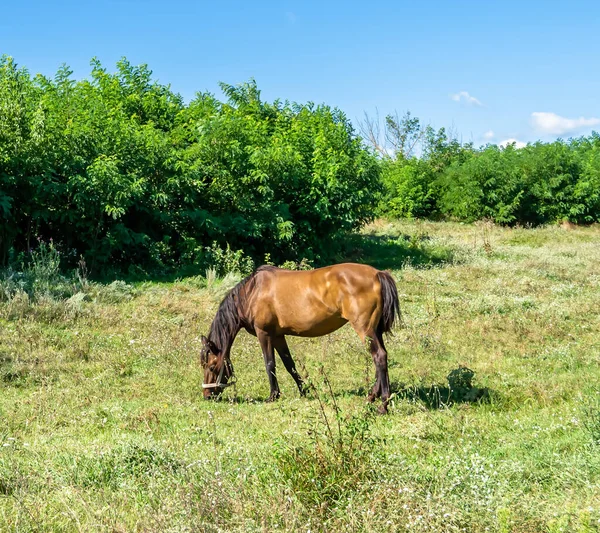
(230,317)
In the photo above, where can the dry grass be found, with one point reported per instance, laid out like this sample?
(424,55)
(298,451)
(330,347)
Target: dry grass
(103,426)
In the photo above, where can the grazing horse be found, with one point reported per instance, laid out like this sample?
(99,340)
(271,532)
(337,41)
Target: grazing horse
(272,303)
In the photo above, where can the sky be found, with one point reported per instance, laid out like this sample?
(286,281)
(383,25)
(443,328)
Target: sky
(488,71)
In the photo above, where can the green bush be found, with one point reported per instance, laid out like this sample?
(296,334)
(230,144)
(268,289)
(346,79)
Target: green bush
(118,169)
(412,184)
(488,185)
(409,189)
(538,184)
(228,261)
(38,276)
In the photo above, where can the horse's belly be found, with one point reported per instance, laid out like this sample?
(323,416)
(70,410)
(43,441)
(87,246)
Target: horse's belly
(312,329)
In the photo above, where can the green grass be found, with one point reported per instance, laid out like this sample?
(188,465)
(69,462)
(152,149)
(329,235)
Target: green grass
(103,426)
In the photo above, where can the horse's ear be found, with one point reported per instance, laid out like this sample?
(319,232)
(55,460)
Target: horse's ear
(204,340)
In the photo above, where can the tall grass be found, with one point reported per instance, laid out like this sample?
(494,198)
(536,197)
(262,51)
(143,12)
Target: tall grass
(493,425)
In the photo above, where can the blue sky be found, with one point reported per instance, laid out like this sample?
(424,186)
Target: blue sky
(490,71)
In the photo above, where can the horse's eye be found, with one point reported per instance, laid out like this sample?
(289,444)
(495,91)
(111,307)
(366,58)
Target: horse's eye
(212,368)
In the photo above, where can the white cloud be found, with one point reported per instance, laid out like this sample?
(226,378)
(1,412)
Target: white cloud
(517,143)
(489,135)
(552,123)
(464,96)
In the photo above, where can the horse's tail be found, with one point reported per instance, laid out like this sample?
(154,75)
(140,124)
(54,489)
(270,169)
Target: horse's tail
(390,303)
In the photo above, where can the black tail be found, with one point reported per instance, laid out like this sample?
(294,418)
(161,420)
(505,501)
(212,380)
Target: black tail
(391,305)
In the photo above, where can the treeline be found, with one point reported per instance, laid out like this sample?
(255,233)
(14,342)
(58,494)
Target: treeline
(538,184)
(120,170)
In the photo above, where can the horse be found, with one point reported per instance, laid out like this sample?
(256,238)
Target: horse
(273,302)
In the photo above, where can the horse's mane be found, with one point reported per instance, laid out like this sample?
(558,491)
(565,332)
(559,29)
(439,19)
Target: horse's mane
(231,315)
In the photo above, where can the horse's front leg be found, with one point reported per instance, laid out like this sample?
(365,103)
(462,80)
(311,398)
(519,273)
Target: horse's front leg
(266,343)
(376,390)
(284,352)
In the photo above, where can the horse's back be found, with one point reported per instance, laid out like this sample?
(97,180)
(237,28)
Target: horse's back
(356,272)
(327,283)
(314,302)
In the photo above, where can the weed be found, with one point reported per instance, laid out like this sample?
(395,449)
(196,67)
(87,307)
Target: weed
(340,455)
(304,264)
(38,280)
(225,261)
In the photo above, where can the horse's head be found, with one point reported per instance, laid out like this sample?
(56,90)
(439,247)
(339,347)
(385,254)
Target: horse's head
(217,369)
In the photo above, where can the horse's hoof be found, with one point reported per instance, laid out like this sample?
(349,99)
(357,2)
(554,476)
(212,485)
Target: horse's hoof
(274,396)
(371,398)
(383,410)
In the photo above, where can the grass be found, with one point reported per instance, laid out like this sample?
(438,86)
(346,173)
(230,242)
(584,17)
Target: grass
(103,426)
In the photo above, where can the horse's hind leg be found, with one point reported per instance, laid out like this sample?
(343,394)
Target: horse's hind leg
(367,329)
(266,343)
(283,350)
(382,385)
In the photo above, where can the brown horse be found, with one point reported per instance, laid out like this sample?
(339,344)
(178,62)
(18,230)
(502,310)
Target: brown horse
(272,303)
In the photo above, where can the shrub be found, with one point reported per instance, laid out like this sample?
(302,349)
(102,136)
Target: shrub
(118,169)
(225,261)
(39,277)
(488,185)
(538,184)
(409,189)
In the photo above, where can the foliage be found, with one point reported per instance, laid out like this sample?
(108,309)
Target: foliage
(228,260)
(37,276)
(537,184)
(409,192)
(488,185)
(118,169)
(411,182)
(277,178)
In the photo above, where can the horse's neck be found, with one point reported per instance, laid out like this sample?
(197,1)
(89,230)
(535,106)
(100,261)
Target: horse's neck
(230,319)
(224,341)
(226,349)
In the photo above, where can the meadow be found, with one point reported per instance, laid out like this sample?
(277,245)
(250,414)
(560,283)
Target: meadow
(494,423)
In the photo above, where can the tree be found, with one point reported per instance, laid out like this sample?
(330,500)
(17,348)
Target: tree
(400,138)
(117,168)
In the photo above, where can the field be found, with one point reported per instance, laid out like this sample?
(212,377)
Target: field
(103,426)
